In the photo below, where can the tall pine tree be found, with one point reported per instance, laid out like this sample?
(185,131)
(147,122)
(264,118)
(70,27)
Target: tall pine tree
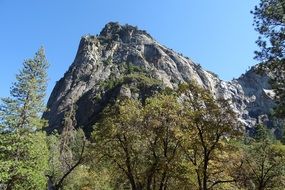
(269,22)
(23,149)
(24,108)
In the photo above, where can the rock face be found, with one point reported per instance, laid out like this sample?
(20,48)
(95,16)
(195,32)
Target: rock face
(120,60)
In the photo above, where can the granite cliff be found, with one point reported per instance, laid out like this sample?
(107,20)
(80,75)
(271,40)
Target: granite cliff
(126,61)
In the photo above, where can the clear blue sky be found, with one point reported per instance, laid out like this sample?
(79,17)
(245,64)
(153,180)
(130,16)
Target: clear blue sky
(217,34)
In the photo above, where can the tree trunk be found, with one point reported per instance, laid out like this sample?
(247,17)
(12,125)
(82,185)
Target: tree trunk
(205,172)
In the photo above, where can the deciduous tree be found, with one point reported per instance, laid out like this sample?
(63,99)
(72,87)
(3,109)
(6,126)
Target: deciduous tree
(140,142)
(210,125)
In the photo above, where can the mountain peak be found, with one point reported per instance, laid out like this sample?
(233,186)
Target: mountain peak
(124,32)
(114,64)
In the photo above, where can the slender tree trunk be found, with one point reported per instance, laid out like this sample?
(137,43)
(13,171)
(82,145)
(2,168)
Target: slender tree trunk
(129,167)
(50,184)
(133,184)
(151,176)
(261,186)
(162,182)
(205,171)
(9,185)
(198,178)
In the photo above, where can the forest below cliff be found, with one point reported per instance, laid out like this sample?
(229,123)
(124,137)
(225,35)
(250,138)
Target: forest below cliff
(148,136)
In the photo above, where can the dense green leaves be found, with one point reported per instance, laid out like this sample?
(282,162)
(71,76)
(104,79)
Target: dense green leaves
(67,152)
(24,153)
(263,166)
(169,141)
(140,141)
(209,125)
(269,21)
(176,139)
(23,160)
(23,109)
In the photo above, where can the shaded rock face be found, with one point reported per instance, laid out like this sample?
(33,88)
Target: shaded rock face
(109,65)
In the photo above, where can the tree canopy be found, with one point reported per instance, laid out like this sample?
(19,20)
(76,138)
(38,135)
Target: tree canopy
(269,21)
(24,153)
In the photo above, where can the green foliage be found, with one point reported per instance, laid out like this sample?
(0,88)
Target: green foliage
(108,61)
(141,80)
(137,82)
(209,124)
(131,69)
(66,154)
(132,74)
(110,84)
(178,139)
(263,166)
(97,97)
(54,164)
(262,134)
(270,23)
(86,179)
(165,143)
(139,141)
(24,153)
(24,160)
(22,110)
(114,134)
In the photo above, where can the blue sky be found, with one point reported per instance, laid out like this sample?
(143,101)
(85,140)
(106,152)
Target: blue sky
(217,34)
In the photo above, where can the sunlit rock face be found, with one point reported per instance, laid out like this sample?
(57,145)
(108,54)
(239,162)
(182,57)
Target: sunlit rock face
(91,82)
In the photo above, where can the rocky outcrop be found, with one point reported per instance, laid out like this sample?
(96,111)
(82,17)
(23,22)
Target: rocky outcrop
(119,61)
